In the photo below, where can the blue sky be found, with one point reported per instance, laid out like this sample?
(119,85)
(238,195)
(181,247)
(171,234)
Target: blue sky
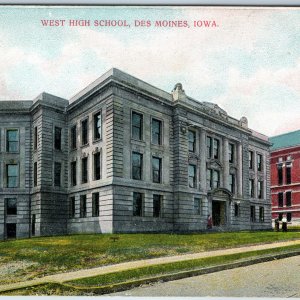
(249,65)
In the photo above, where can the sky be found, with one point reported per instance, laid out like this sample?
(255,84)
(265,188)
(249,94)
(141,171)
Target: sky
(247,61)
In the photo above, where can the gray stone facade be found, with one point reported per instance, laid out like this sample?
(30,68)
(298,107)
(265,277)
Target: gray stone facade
(124,156)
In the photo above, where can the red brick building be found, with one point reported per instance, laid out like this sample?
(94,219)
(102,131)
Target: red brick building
(285,176)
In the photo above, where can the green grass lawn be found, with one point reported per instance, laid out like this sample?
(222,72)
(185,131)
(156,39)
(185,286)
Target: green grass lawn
(43,256)
(91,285)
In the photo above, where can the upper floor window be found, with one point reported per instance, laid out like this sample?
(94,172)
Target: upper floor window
(288,198)
(84,170)
(231,153)
(57,174)
(260,186)
(157,205)
(137,126)
(11,206)
(251,188)
(288,172)
(192,176)
(232,183)
(137,204)
(156,132)
(280,199)
(213,178)
(74,137)
(97,166)
(156,169)
(12,140)
(97,126)
(259,162)
(84,132)
(209,147)
(280,174)
(57,138)
(137,165)
(35,142)
(192,141)
(250,159)
(216,144)
(12,175)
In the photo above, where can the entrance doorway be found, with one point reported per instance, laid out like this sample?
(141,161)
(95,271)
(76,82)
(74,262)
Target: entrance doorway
(11,230)
(218,213)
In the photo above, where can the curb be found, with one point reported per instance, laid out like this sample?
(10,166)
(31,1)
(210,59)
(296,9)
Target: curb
(101,290)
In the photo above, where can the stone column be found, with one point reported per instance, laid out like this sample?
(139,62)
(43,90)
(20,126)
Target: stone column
(225,164)
(202,160)
(240,169)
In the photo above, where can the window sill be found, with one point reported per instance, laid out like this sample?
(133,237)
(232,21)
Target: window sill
(84,146)
(97,141)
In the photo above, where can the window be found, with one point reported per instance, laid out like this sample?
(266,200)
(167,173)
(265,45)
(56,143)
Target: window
(280,217)
(11,206)
(137,166)
(156,131)
(259,162)
(212,178)
(289,217)
(11,230)
(216,145)
(72,207)
(216,178)
(35,138)
(137,126)
(288,173)
(209,146)
(288,199)
(232,183)
(57,138)
(280,199)
(97,126)
(156,169)
(12,175)
(261,214)
(35,174)
(12,140)
(137,204)
(192,176)
(84,132)
(280,175)
(252,213)
(157,204)
(231,153)
(251,188)
(197,206)
(57,174)
(97,166)
(260,189)
(84,170)
(82,206)
(33,225)
(74,137)
(250,159)
(192,141)
(95,205)
(73,173)
(236,210)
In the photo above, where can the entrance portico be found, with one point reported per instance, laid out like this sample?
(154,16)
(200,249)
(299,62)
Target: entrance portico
(219,206)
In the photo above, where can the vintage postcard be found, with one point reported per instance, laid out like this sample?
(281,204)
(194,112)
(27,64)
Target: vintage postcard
(150,151)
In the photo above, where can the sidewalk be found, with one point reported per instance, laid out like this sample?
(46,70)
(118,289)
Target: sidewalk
(63,277)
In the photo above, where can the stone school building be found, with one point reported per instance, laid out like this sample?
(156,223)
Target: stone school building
(125,156)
